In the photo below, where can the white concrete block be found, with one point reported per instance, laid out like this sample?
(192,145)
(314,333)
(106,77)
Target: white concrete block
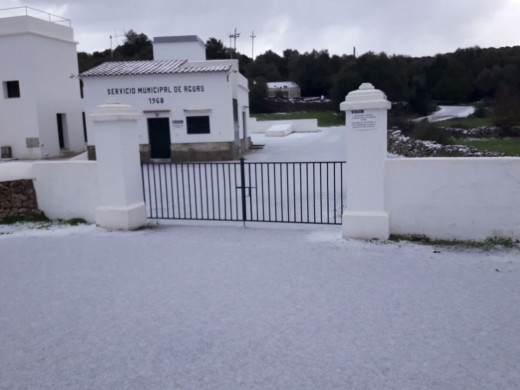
(279,130)
(365,225)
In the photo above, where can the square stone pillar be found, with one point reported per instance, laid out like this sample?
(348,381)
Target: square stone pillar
(121,204)
(366,136)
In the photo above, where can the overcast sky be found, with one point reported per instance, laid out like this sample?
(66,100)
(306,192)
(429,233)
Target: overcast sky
(411,27)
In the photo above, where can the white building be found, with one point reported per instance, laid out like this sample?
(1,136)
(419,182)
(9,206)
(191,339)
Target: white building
(192,109)
(284,89)
(40,104)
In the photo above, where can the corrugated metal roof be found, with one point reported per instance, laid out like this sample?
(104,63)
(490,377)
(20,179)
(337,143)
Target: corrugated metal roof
(131,68)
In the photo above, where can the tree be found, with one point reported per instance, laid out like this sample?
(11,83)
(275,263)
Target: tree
(215,50)
(136,47)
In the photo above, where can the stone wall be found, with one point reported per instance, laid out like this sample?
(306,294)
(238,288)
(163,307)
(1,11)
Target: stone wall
(402,145)
(18,200)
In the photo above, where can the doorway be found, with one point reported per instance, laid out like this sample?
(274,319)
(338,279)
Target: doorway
(62,130)
(159,137)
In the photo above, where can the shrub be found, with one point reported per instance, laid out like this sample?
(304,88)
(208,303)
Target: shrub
(431,132)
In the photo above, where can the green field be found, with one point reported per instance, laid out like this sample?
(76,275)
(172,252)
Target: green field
(325,118)
(466,123)
(509,146)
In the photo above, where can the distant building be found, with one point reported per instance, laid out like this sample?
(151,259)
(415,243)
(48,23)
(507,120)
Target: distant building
(284,89)
(192,109)
(40,104)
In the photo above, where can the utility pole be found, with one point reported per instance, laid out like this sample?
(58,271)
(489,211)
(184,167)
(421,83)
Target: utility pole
(111,37)
(234,37)
(253,36)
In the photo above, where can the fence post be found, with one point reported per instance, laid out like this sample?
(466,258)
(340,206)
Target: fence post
(243,188)
(366,137)
(121,204)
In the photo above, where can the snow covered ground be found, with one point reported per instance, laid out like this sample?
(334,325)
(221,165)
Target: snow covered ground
(219,306)
(191,306)
(328,144)
(448,112)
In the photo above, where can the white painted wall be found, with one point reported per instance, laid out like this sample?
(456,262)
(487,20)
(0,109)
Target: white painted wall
(16,170)
(454,198)
(66,189)
(215,100)
(299,125)
(41,55)
(192,51)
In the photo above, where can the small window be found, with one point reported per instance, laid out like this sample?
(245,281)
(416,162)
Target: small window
(11,89)
(197,124)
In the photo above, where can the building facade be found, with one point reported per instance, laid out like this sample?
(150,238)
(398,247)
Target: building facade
(192,109)
(283,89)
(40,104)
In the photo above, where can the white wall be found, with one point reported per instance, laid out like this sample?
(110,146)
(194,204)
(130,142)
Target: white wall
(64,189)
(299,125)
(67,189)
(16,170)
(215,100)
(41,56)
(454,198)
(192,51)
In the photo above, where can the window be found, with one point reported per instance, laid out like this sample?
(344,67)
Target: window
(197,124)
(11,89)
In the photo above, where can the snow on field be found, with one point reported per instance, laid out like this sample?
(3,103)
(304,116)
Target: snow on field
(209,306)
(448,112)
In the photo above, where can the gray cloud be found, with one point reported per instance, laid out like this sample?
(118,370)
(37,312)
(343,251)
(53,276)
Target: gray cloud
(412,27)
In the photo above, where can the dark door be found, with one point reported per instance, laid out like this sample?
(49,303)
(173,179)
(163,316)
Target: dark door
(236,125)
(61,135)
(159,136)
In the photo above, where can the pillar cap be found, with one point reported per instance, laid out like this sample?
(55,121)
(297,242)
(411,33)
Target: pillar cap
(366,97)
(112,111)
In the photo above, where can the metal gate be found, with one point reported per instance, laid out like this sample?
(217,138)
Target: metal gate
(290,192)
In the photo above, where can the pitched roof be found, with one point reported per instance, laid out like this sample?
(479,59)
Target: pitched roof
(131,68)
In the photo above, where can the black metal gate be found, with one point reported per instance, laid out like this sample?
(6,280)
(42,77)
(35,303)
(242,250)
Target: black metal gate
(290,192)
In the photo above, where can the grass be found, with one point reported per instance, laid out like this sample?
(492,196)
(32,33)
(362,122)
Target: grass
(508,146)
(42,221)
(486,245)
(466,123)
(11,220)
(325,118)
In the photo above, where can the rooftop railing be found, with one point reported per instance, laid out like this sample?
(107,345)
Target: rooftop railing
(29,11)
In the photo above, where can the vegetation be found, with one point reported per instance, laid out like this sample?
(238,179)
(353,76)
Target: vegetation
(431,132)
(418,84)
(325,118)
(11,220)
(486,245)
(508,146)
(470,122)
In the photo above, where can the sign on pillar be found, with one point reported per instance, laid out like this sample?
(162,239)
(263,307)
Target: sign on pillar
(121,204)
(366,136)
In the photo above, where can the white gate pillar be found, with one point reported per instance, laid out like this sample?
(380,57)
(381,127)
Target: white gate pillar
(121,203)
(366,137)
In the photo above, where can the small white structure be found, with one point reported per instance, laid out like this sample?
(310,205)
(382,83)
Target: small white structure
(183,47)
(121,202)
(279,130)
(366,117)
(40,104)
(192,109)
(284,89)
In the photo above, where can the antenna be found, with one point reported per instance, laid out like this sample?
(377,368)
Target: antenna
(114,36)
(234,37)
(253,36)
